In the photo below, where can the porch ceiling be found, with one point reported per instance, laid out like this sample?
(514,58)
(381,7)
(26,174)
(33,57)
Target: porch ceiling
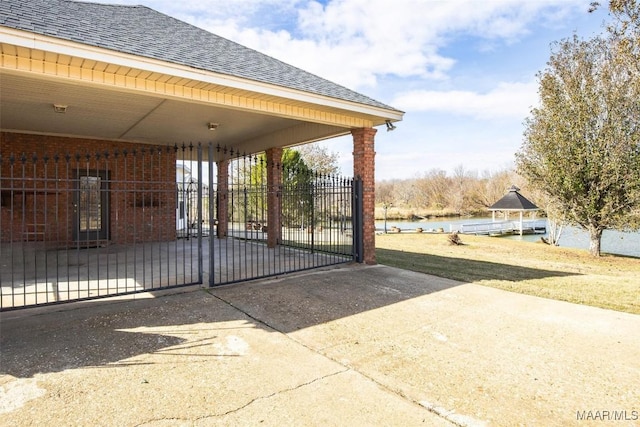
(26,105)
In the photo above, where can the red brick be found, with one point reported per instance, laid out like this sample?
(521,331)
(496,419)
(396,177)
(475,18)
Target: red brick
(364,168)
(40,189)
(274,185)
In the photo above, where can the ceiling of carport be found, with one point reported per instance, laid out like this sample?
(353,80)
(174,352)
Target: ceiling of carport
(94,112)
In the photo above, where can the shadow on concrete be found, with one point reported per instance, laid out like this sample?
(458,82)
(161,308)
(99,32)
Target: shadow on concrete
(289,305)
(98,333)
(299,302)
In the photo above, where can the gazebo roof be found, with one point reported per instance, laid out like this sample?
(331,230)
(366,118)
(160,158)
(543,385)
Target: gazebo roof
(513,201)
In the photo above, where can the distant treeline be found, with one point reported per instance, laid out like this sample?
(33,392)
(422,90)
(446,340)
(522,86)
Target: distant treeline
(438,194)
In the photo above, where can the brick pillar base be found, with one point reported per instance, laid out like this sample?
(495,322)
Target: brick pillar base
(274,184)
(222,209)
(364,167)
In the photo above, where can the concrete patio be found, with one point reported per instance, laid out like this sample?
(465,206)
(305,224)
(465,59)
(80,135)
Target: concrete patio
(36,273)
(354,345)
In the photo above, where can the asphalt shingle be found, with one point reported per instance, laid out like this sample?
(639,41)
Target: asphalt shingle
(513,200)
(141,31)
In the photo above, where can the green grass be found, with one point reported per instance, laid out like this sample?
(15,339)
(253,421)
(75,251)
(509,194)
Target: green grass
(611,282)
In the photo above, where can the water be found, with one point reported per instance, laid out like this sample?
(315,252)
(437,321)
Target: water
(613,242)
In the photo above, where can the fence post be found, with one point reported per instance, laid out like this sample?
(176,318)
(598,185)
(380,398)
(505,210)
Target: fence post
(199,201)
(210,163)
(358,230)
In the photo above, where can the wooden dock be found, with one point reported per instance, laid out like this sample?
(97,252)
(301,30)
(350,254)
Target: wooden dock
(499,228)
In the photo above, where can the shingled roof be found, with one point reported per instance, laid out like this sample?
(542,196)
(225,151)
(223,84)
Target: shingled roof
(513,201)
(144,32)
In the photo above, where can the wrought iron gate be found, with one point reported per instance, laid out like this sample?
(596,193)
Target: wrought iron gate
(121,221)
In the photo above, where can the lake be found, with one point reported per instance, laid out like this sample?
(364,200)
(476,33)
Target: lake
(613,242)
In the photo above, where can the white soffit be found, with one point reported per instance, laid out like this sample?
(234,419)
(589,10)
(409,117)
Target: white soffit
(63,47)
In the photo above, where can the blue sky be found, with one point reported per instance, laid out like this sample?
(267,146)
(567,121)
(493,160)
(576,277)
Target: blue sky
(464,71)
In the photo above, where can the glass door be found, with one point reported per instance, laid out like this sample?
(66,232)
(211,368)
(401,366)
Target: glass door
(91,206)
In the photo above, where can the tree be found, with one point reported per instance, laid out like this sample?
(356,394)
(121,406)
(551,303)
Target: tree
(581,145)
(437,186)
(319,159)
(626,31)
(491,186)
(385,193)
(460,190)
(298,195)
(297,181)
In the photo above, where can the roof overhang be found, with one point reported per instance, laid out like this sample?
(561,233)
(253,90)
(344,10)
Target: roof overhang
(116,96)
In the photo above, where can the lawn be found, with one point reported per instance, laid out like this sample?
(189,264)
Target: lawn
(611,282)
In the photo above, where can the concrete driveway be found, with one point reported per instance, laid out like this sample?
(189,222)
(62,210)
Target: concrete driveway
(355,345)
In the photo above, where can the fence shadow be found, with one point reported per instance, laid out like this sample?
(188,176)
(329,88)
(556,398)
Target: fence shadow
(291,304)
(95,335)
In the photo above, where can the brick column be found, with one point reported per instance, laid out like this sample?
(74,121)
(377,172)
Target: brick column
(222,206)
(274,184)
(364,167)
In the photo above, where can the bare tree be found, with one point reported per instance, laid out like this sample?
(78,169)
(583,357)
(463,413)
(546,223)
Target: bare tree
(319,159)
(437,186)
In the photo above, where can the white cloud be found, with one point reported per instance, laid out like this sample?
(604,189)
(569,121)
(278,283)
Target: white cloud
(506,100)
(354,42)
(412,49)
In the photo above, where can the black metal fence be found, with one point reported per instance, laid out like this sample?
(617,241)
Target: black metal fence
(91,225)
(315,222)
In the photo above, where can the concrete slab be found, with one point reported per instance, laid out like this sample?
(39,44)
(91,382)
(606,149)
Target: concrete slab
(356,345)
(184,359)
(473,354)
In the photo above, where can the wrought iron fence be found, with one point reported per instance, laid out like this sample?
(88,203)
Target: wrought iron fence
(126,220)
(314,225)
(79,226)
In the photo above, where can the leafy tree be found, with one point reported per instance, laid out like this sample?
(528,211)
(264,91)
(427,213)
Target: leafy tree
(297,181)
(581,144)
(625,30)
(256,171)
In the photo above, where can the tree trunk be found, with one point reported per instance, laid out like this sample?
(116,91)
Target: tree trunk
(595,236)
(555,230)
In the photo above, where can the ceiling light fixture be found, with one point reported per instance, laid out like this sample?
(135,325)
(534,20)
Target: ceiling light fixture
(390,125)
(213,126)
(59,108)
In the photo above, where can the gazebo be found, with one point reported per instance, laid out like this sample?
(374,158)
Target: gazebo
(511,202)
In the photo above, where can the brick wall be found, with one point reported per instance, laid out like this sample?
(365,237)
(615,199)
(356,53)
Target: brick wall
(364,167)
(39,177)
(222,214)
(274,185)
